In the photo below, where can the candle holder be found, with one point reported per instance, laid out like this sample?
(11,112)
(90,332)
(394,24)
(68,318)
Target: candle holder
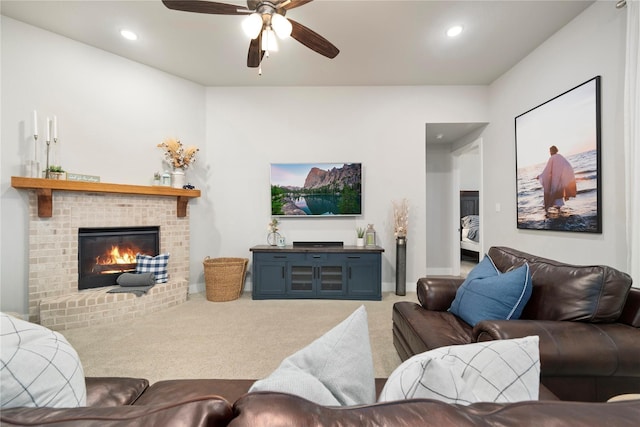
(46,171)
(33,167)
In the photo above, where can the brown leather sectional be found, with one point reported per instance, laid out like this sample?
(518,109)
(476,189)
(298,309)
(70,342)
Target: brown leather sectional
(132,402)
(587,318)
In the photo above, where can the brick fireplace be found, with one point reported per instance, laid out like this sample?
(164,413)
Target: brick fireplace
(54,298)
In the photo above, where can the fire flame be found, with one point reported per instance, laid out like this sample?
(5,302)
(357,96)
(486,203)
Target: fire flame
(117,255)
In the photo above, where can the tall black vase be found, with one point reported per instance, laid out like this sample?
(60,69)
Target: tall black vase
(401,265)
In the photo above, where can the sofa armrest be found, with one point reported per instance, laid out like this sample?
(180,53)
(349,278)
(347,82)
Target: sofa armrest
(436,293)
(573,348)
(114,391)
(631,310)
(209,411)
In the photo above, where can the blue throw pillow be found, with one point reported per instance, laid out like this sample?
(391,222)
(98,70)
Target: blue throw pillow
(488,294)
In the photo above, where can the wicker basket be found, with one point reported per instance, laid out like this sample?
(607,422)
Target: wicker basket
(224,278)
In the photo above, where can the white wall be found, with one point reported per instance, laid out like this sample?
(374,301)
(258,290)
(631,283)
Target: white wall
(440,198)
(592,44)
(382,127)
(111,114)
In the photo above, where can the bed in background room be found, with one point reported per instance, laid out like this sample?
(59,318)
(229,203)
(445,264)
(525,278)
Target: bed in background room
(469,225)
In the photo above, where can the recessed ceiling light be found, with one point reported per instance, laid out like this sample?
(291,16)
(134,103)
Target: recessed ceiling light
(454,31)
(128,34)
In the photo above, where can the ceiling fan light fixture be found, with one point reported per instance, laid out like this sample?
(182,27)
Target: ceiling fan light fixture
(281,26)
(269,41)
(252,25)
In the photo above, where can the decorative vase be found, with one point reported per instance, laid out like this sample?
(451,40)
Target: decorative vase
(401,265)
(273,237)
(360,242)
(178,179)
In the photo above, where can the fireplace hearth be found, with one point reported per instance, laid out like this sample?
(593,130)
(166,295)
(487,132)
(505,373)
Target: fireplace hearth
(105,253)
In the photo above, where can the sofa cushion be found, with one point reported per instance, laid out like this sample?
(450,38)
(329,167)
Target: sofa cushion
(156,265)
(562,291)
(38,367)
(492,371)
(489,294)
(336,369)
(207,410)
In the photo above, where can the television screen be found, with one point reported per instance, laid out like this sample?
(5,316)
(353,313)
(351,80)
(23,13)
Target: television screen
(313,189)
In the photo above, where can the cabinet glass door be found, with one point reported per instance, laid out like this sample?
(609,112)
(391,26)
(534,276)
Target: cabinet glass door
(302,278)
(330,278)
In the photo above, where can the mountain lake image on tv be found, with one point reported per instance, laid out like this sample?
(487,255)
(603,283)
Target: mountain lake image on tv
(315,189)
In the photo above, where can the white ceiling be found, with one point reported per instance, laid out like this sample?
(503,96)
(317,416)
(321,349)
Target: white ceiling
(381,42)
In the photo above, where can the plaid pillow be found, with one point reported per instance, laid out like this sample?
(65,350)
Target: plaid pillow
(487,371)
(38,367)
(156,265)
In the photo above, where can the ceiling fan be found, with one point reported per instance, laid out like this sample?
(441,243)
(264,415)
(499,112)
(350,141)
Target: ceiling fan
(264,20)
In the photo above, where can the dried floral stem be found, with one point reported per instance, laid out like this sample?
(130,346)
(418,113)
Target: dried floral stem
(401,217)
(176,155)
(273,226)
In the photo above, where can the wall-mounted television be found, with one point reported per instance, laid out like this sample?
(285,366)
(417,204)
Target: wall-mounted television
(316,189)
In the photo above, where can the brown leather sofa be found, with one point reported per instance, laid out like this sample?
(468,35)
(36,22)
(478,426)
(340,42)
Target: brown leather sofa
(587,318)
(132,402)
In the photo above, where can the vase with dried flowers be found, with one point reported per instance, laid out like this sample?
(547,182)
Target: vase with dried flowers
(272,237)
(179,158)
(401,225)
(401,217)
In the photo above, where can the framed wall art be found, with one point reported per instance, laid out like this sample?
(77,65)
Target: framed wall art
(558,175)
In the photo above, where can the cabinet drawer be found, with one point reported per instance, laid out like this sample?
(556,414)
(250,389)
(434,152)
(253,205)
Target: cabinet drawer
(362,257)
(275,256)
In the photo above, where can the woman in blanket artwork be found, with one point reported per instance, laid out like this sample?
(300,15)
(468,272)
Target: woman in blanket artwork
(558,180)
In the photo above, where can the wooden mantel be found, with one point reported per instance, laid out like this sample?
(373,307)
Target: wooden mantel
(44,190)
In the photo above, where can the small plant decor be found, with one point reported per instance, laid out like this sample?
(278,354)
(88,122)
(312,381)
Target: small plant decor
(176,155)
(360,232)
(54,172)
(56,169)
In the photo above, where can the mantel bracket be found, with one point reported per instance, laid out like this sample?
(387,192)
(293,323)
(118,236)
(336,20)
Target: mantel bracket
(45,202)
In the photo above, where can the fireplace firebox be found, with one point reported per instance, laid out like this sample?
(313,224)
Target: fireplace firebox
(105,253)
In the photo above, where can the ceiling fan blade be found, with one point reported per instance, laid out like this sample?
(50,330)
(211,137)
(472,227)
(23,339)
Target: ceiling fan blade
(200,6)
(254,57)
(291,4)
(313,40)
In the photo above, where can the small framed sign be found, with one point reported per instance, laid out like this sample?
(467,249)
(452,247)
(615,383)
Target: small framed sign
(81,177)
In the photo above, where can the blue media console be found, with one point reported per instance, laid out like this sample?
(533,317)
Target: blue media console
(344,272)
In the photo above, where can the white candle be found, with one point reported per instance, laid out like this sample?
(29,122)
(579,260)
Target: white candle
(55,128)
(35,122)
(48,130)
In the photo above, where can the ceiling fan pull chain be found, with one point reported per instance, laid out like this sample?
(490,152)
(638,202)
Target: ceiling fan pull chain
(266,55)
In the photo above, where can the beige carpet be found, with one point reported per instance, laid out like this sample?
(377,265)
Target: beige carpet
(237,339)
